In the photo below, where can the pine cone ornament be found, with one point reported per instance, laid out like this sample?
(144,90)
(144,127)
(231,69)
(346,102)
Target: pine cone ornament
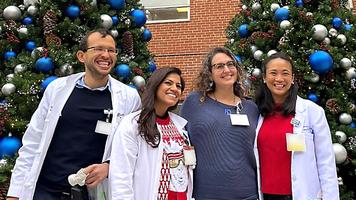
(329,78)
(243,43)
(335,4)
(11,37)
(138,71)
(331,104)
(53,39)
(299,79)
(4,186)
(49,22)
(127,43)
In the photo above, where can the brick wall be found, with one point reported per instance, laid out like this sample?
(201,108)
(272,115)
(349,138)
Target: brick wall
(184,44)
(354,6)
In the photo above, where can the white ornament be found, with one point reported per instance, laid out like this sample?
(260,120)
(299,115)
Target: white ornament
(333,32)
(12,12)
(256,6)
(22,7)
(232,40)
(253,48)
(37,52)
(345,118)
(340,153)
(66,69)
(139,81)
(274,7)
(309,14)
(92,3)
(106,21)
(2,162)
(271,52)
(244,7)
(351,73)
(114,33)
(326,41)
(315,77)
(342,38)
(345,63)
(341,136)
(32,10)
(19,68)
(128,22)
(320,32)
(256,72)
(23,30)
(284,24)
(258,55)
(31,2)
(8,89)
(9,77)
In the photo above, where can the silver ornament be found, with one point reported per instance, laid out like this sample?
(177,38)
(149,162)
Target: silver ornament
(309,14)
(106,21)
(314,78)
(271,52)
(3,162)
(139,81)
(12,12)
(326,40)
(23,30)
(8,89)
(284,24)
(22,7)
(19,68)
(0,29)
(244,7)
(345,118)
(256,6)
(345,63)
(351,73)
(333,32)
(92,2)
(320,32)
(258,55)
(31,2)
(128,22)
(66,69)
(37,52)
(340,153)
(352,107)
(274,7)
(342,38)
(114,33)
(232,40)
(341,136)
(256,72)
(32,10)
(9,77)
(253,48)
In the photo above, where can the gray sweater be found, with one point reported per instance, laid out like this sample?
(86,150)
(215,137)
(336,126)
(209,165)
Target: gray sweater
(226,167)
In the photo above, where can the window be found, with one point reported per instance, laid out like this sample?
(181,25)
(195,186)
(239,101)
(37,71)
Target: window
(167,10)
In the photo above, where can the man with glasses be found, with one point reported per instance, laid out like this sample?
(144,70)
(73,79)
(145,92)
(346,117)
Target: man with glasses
(72,128)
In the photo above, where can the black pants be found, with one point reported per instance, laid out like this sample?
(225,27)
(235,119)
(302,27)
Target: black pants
(76,193)
(276,197)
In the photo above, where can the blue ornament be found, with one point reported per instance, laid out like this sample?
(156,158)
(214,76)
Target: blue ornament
(73,11)
(123,70)
(299,3)
(116,4)
(337,22)
(9,146)
(147,35)
(321,62)
(313,97)
(348,27)
(281,14)
(47,81)
(30,45)
(243,31)
(353,125)
(9,54)
(44,64)
(27,20)
(139,17)
(238,58)
(152,66)
(115,20)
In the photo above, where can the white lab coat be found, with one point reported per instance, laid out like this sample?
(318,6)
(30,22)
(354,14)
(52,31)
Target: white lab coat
(135,166)
(313,171)
(39,133)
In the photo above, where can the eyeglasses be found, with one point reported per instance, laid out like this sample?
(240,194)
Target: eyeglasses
(221,66)
(103,50)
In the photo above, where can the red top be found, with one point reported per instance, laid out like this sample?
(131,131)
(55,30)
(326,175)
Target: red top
(275,160)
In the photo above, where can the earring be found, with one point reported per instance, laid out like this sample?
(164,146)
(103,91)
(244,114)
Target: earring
(264,81)
(211,84)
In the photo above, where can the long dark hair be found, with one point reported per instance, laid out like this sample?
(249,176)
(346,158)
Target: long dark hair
(264,99)
(147,121)
(204,83)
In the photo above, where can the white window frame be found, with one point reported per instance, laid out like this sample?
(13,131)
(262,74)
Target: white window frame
(169,20)
(351,4)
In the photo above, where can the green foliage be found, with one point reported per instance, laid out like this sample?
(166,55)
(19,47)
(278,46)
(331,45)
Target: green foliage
(336,92)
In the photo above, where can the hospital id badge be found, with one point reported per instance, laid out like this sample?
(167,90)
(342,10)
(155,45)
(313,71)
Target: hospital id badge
(295,142)
(239,119)
(103,127)
(189,155)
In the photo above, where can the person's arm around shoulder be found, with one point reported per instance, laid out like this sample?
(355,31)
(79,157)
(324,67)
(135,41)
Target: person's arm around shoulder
(123,159)
(324,152)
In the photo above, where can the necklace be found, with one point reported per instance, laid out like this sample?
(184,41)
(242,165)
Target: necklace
(234,101)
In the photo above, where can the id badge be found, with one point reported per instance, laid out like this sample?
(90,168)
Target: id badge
(295,142)
(189,155)
(239,119)
(103,127)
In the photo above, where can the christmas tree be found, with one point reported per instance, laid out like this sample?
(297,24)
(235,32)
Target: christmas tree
(38,43)
(319,36)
